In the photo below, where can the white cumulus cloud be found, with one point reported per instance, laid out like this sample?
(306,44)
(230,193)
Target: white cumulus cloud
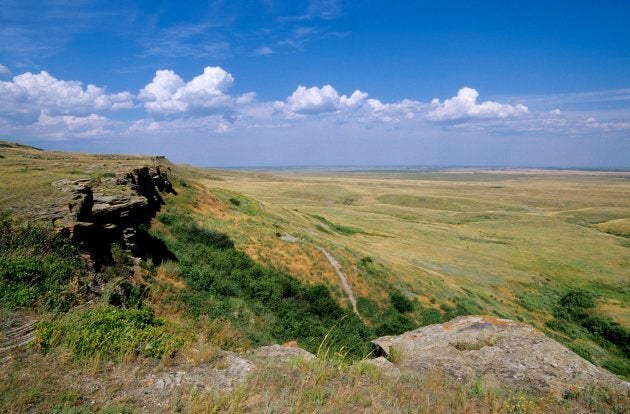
(168,93)
(465,106)
(70,126)
(317,100)
(27,95)
(246,98)
(393,112)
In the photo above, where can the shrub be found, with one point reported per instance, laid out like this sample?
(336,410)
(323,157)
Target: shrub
(393,323)
(400,302)
(573,316)
(367,307)
(36,265)
(430,316)
(120,293)
(109,332)
(610,331)
(574,304)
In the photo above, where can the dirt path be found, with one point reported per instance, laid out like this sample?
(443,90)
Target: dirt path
(334,263)
(342,276)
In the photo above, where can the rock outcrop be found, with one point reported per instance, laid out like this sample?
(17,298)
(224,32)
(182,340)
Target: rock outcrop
(228,373)
(499,351)
(382,365)
(282,354)
(98,213)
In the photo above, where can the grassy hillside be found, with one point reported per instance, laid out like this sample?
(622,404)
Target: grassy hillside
(246,268)
(509,243)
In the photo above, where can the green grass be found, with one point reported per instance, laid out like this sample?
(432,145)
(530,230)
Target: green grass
(369,267)
(338,228)
(110,332)
(238,202)
(418,249)
(36,266)
(501,243)
(575,320)
(225,283)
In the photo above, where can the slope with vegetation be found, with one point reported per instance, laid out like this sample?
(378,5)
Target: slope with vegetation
(509,243)
(121,333)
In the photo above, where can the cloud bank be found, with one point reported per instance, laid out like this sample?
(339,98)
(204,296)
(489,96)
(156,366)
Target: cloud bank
(40,105)
(28,95)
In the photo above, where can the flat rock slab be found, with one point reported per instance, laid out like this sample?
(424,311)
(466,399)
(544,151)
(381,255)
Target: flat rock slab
(230,372)
(282,354)
(499,351)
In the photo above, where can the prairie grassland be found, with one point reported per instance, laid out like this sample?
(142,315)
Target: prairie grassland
(27,173)
(509,241)
(34,382)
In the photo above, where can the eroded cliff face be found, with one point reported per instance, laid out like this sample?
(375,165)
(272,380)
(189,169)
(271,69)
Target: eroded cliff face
(113,210)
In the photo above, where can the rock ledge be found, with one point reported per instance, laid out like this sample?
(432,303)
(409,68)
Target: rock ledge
(499,351)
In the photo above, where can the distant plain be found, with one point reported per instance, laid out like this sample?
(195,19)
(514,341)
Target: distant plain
(508,240)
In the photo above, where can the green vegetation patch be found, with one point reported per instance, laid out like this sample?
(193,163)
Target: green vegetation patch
(265,304)
(36,266)
(436,203)
(238,201)
(367,307)
(110,332)
(338,228)
(575,320)
(368,266)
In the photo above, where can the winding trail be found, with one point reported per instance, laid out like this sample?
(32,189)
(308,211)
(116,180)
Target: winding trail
(334,263)
(342,276)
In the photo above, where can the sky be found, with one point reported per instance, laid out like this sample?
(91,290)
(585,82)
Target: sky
(321,82)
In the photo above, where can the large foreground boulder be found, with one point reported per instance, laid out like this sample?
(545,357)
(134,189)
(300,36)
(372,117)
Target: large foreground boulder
(499,351)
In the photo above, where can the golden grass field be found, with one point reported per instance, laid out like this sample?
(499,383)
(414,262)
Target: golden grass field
(27,174)
(498,237)
(502,238)
(510,241)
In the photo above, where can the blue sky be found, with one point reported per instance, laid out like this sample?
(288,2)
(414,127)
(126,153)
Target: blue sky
(321,82)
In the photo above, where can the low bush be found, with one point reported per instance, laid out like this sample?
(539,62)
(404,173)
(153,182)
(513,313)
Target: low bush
(36,266)
(608,330)
(400,302)
(109,332)
(366,307)
(393,323)
(430,316)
